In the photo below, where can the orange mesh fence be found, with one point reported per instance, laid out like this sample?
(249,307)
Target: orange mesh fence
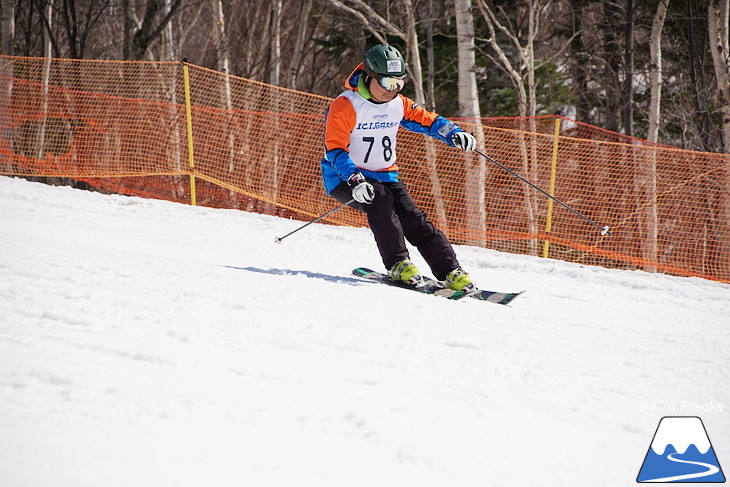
(125,127)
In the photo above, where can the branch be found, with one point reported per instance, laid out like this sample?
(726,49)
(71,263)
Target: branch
(146,34)
(503,59)
(365,19)
(559,52)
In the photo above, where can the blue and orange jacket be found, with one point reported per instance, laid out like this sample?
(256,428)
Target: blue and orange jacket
(341,120)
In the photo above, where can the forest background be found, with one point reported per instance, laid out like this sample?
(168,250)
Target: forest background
(652,69)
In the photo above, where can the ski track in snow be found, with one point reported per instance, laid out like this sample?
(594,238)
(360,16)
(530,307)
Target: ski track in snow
(146,343)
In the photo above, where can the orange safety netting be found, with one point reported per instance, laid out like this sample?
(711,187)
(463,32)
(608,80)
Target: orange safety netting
(124,127)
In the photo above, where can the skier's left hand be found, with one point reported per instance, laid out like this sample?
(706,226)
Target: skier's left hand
(464,140)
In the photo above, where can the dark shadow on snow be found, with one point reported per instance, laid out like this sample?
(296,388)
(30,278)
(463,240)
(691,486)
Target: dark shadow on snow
(316,275)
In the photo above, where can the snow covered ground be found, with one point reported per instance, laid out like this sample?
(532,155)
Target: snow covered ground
(146,343)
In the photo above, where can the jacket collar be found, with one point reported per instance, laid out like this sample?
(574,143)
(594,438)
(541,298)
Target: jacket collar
(355,82)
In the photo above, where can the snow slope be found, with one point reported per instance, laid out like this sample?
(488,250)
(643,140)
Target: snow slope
(146,343)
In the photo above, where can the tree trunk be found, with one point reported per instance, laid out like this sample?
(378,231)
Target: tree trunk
(718,30)
(167,54)
(168,49)
(697,84)
(272,193)
(469,107)
(128,29)
(431,75)
(414,54)
(6,93)
(521,71)
(223,66)
(580,64)
(416,73)
(47,54)
(532,112)
(275,46)
(655,66)
(612,18)
(628,97)
(299,46)
(647,167)
(8,26)
(150,29)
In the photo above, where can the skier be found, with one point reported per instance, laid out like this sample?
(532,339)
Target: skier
(359,163)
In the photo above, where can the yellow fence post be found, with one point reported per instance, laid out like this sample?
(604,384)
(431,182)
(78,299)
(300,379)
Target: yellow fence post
(553,172)
(189,118)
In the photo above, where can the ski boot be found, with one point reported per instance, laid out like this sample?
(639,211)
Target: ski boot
(405,271)
(459,280)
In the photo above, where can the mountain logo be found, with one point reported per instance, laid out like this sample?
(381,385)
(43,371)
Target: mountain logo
(681,452)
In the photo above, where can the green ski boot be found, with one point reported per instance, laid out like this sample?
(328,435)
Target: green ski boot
(405,271)
(458,280)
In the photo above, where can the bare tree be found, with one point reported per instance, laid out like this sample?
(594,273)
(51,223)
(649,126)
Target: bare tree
(274,79)
(223,61)
(47,54)
(719,31)
(647,165)
(578,61)
(430,76)
(475,209)
(520,69)
(513,69)
(168,46)
(6,71)
(628,94)
(303,28)
(700,118)
(8,27)
(156,17)
(720,48)
(275,45)
(363,13)
(655,73)
(78,23)
(613,18)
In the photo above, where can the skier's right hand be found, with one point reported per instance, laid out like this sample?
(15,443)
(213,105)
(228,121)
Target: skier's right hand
(362,191)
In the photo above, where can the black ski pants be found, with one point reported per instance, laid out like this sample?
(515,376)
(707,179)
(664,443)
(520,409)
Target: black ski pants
(394,218)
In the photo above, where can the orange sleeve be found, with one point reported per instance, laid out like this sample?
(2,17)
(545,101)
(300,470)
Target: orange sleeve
(413,112)
(340,123)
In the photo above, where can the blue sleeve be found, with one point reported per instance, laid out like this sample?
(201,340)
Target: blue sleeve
(441,129)
(340,161)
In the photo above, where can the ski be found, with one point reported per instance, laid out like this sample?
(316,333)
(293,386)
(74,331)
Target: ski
(432,286)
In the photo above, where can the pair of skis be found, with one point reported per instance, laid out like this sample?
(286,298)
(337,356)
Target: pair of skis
(431,286)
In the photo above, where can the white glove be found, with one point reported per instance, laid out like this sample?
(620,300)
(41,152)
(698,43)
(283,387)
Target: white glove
(362,191)
(464,140)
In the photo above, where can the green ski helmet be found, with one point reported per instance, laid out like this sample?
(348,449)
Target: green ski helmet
(386,64)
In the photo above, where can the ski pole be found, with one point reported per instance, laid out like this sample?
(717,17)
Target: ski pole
(279,239)
(604,230)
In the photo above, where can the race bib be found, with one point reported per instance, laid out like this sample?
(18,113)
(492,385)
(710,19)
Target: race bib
(373,140)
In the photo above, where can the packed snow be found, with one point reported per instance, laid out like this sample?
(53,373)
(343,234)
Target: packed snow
(148,343)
